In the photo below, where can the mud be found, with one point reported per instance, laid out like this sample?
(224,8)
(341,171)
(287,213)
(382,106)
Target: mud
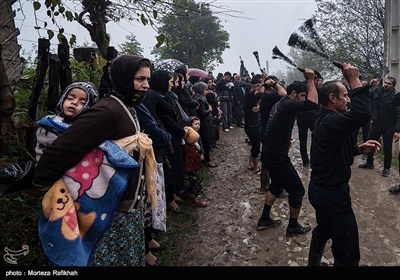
(227,234)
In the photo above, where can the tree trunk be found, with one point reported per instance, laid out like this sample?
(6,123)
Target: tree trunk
(53,94)
(65,69)
(97,11)
(7,104)
(38,83)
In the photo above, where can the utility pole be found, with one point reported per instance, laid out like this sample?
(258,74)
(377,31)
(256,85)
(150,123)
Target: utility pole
(392,47)
(392,40)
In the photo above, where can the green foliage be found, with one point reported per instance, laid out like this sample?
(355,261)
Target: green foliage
(196,37)
(352,31)
(88,72)
(15,140)
(19,214)
(131,46)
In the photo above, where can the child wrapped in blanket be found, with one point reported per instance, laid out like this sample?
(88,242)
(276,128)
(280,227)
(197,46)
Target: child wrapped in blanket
(76,98)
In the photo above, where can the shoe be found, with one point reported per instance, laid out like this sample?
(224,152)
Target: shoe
(181,202)
(211,164)
(156,263)
(177,210)
(395,189)
(299,230)
(263,225)
(201,203)
(231,127)
(158,249)
(226,130)
(366,166)
(385,172)
(263,189)
(283,194)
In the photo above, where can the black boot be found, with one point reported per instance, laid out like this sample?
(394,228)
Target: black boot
(316,252)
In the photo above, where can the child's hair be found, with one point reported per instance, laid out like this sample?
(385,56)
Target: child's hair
(92,97)
(192,119)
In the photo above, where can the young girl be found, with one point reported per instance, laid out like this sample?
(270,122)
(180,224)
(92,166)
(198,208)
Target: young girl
(76,98)
(193,164)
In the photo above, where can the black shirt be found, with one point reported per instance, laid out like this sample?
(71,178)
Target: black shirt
(277,134)
(250,100)
(268,100)
(332,146)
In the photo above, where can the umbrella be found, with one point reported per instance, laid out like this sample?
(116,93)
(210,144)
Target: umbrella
(197,72)
(169,64)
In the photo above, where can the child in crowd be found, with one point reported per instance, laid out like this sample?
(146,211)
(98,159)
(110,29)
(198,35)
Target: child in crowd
(76,98)
(193,163)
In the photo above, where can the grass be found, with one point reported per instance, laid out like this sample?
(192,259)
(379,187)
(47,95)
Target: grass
(18,224)
(19,214)
(179,226)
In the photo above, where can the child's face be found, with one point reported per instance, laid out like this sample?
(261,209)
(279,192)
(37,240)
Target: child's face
(74,102)
(196,125)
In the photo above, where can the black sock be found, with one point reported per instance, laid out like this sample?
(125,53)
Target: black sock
(265,213)
(293,223)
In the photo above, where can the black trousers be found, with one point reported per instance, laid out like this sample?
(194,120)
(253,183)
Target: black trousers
(284,176)
(336,221)
(365,129)
(378,130)
(304,123)
(254,137)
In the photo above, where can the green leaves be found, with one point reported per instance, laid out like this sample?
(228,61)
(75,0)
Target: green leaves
(200,39)
(36,5)
(143,19)
(69,16)
(160,40)
(50,34)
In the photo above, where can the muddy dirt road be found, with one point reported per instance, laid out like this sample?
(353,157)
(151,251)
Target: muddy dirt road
(227,235)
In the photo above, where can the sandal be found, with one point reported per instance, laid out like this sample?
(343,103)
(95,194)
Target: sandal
(177,210)
(211,164)
(202,203)
(180,201)
(157,262)
(258,172)
(158,249)
(250,168)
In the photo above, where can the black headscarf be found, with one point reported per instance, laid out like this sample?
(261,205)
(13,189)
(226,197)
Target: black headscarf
(160,80)
(118,79)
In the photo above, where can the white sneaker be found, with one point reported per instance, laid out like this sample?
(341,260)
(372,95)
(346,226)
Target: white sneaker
(226,130)
(231,127)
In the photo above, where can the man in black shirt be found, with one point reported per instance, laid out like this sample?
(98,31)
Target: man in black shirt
(332,153)
(396,103)
(268,100)
(383,123)
(275,149)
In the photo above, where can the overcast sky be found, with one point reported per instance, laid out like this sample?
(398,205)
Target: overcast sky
(271,24)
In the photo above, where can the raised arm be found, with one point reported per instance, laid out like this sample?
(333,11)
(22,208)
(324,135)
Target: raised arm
(312,94)
(352,75)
